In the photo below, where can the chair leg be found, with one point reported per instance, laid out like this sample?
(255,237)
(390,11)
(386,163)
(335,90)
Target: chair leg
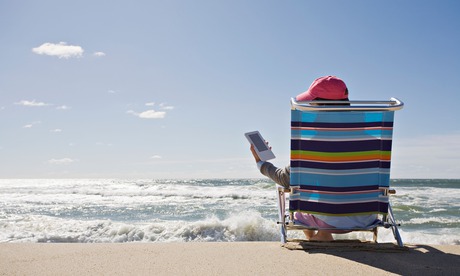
(283,234)
(394,227)
(375,231)
(282,215)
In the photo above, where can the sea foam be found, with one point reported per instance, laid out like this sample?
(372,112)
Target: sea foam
(208,210)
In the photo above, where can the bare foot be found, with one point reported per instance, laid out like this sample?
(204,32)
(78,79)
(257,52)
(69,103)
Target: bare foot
(322,236)
(309,233)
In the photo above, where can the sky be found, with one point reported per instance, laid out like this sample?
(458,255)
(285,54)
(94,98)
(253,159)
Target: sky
(167,89)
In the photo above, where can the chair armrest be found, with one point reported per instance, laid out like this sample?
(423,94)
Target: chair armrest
(282,189)
(388,191)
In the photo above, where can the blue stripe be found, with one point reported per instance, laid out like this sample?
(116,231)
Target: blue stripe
(336,198)
(318,180)
(368,171)
(337,135)
(343,117)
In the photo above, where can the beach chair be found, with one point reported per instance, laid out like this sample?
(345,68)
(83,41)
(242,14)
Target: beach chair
(340,163)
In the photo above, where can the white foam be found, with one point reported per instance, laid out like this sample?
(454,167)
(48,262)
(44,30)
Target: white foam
(433,220)
(166,211)
(248,226)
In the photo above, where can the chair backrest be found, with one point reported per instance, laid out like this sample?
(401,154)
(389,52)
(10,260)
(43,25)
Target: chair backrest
(340,159)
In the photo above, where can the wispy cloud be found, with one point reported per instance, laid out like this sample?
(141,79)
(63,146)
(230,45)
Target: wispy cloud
(163,106)
(31,125)
(156,157)
(56,130)
(148,114)
(32,103)
(63,107)
(151,113)
(99,54)
(60,50)
(62,161)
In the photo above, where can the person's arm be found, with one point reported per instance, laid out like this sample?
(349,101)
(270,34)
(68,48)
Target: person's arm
(280,176)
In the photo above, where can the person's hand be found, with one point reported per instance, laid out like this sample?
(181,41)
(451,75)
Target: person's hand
(254,153)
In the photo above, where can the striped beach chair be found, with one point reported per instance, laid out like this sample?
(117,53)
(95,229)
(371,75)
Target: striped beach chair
(340,163)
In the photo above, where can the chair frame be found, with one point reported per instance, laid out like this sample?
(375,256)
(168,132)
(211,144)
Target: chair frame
(286,217)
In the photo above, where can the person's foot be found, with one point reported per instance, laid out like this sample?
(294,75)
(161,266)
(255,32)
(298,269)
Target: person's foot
(322,236)
(309,233)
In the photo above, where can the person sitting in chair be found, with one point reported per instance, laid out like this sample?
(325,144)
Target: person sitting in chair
(322,89)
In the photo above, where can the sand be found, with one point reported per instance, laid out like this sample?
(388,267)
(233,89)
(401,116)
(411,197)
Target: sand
(213,258)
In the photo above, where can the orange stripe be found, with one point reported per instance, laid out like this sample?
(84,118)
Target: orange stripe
(340,158)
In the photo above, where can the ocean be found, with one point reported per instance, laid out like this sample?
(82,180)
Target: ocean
(196,210)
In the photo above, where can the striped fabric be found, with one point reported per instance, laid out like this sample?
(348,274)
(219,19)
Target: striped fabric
(339,160)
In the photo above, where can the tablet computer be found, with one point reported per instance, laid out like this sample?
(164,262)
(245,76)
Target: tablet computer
(262,150)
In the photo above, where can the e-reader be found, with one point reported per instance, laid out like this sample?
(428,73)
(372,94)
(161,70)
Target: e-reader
(262,150)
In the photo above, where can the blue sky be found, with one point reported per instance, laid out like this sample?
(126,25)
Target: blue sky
(166,89)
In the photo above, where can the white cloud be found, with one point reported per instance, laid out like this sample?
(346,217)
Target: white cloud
(56,130)
(111,91)
(32,103)
(61,50)
(148,114)
(156,157)
(62,161)
(152,114)
(163,106)
(63,107)
(99,54)
(32,124)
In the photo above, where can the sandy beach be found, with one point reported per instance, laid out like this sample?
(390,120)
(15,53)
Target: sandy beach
(232,258)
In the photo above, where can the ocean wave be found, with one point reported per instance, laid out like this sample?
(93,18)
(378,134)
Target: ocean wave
(92,211)
(247,226)
(434,220)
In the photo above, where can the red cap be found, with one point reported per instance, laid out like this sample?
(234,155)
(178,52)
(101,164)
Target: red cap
(329,87)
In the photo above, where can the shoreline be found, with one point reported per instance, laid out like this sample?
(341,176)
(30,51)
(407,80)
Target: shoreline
(221,258)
